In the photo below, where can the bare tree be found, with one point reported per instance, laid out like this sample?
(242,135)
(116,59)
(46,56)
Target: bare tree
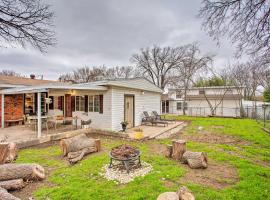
(10,73)
(26,21)
(90,74)
(159,64)
(192,64)
(246,22)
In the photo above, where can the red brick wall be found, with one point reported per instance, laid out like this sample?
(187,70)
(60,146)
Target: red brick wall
(13,107)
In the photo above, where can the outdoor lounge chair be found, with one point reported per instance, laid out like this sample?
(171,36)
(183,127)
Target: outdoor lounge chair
(158,117)
(147,119)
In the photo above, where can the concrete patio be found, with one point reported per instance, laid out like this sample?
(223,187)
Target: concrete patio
(160,131)
(21,132)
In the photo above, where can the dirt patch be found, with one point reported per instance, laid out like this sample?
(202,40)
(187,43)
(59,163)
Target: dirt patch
(217,175)
(211,138)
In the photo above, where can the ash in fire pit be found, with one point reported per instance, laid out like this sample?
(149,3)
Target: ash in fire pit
(125,157)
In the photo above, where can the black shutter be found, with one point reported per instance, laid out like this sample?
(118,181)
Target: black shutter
(36,106)
(73,103)
(86,103)
(101,103)
(51,105)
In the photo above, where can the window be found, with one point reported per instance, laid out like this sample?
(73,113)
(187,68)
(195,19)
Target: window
(201,92)
(186,106)
(80,103)
(179,105)
(94,103)
(178,95)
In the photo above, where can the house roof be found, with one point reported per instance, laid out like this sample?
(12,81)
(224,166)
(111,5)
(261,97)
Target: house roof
(135,83)
(209,87)
(14,81)
(46,87)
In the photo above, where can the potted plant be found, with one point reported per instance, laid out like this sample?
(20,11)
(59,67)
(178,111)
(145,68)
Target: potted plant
(124,125)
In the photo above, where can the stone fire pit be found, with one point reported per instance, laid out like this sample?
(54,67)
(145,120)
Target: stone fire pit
(125,164)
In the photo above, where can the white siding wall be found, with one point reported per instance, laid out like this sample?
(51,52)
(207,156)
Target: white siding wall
(100,120)
(149,101)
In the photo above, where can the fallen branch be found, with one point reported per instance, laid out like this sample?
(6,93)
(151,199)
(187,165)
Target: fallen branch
(77,156)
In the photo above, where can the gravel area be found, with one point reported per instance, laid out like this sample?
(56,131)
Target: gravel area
(121,176)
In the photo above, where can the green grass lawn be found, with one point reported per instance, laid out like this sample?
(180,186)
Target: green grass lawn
(251,159)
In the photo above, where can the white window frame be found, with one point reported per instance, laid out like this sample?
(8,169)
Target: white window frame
(93,100)
(79,103)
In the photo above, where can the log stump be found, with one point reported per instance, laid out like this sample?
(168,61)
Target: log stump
(15,184)
(195,160)
(168,196)
(77,147)
(8,152)
(178,149)
(21,171)
(169,150)
(185,194)
(4,195)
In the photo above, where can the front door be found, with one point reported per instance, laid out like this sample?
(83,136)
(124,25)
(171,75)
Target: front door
(129,110)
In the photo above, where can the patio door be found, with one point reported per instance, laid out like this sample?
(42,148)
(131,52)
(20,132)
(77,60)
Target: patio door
(129,110)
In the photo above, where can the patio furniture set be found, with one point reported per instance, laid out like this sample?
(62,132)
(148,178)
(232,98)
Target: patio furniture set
(154,119)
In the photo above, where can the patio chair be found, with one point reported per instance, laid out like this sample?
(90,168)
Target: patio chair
(158,117)
(152,120)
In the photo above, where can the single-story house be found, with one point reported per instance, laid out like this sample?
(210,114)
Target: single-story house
(225,100)
(106,103)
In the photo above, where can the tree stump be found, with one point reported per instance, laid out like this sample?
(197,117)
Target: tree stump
(4,195)
(169,150)
(8,152)
(3,152)
(15,184)
(168,196)
(21,171)
(195,159)
(179,148)
(185,194)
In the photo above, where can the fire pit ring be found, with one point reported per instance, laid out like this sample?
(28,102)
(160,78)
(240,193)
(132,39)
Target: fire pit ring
(127,161)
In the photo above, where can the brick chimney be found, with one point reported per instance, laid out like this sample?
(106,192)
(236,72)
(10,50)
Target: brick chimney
(32,76)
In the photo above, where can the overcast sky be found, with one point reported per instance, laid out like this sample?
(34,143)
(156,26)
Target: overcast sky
(102,32)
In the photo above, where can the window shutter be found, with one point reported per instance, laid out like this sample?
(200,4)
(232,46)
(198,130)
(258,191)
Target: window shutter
(73,103)
(51,105)
(101,103)
(86,103)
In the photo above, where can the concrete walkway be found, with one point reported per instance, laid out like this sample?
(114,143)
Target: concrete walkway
(157,131)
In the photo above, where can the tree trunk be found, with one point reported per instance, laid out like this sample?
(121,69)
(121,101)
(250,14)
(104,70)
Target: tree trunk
(8,152)
(195,159)
(74,157)
(77,143)
(179,148)
(4,195)
(15,184)
(185,194)
(169,151)
(3,152)
(21,171)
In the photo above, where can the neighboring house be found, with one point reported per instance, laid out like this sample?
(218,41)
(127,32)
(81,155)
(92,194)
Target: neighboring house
(106,103)
(203,101)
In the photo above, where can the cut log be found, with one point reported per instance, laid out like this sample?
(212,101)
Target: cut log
(74,157)
(179,148)
(21,171)
(168,196)
(8,152)
(195,159)
(185,194)
(15,184)
(4,195)
(3,152)
(77,143)
(169,150)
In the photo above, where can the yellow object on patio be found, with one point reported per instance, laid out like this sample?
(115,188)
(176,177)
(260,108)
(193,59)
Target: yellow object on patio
(138,134)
